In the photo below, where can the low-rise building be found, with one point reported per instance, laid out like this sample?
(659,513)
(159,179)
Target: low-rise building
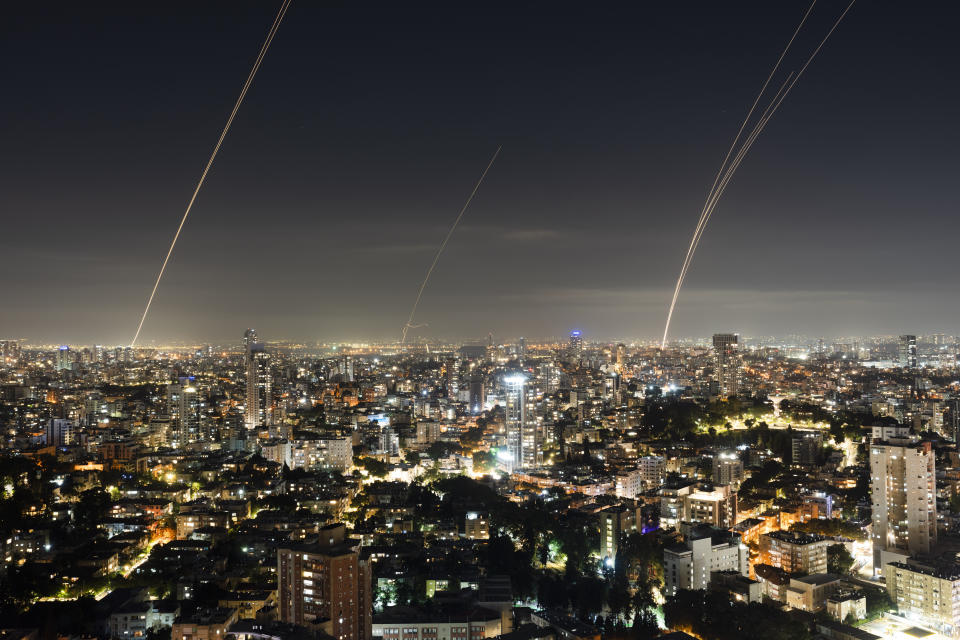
(204,624)
(810,593)
(450,622)
(845,604)
(705,550)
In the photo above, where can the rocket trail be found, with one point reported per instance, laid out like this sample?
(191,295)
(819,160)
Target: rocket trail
(409,325)
(728,170)
(236,107)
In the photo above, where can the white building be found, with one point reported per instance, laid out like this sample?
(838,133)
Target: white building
(688,566)
(903,492)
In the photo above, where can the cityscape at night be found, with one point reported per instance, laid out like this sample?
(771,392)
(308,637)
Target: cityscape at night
(335,321)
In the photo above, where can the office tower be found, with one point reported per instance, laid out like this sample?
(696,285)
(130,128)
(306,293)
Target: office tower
(64,359)
(726,372)
(576,344)
(326,579)
(522,451)
(477,394)
(907,352)
(183,405)
(61,433)
(903,492)
(259,405)
(522,349)
(249,338)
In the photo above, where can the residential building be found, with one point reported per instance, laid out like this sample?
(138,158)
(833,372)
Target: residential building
(795,552)
(903,494)
(705,550)
(926,594)
(326,580)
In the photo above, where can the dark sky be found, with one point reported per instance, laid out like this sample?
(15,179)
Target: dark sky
(369,123)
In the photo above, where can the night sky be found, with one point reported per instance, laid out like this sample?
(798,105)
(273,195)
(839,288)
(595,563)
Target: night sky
(368,125)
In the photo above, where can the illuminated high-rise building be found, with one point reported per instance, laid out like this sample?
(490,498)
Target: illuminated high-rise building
(907,352)
(259,404)
(904,495)
(64,358)
(451,375)
(726,363)
(249,338)
(515,413)
(576,344)
(183,406)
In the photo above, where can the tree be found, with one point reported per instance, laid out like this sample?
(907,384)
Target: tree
(645,625)
(839,560)
(832,527)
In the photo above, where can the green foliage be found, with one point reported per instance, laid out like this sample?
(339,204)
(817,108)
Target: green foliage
(484,461)
(713,616)
(839,560)
(376,468)
(878,602)
(832,527)
(439,449)
(955,503)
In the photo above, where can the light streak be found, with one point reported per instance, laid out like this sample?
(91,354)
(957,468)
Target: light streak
(409,325)
(246,86)
(727,171)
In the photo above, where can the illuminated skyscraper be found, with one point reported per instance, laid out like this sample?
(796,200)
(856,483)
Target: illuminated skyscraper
(576,344)
(726,368)
(907,352)
(64,358)
(515,420)
(259,405)
(249,338)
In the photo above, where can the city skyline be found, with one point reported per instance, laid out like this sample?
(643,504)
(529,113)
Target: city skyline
(346,166)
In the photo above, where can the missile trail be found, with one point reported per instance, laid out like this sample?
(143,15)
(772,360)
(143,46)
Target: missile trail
(761,124)
(703,213)
(727,171)
(409,325)
(236,107)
